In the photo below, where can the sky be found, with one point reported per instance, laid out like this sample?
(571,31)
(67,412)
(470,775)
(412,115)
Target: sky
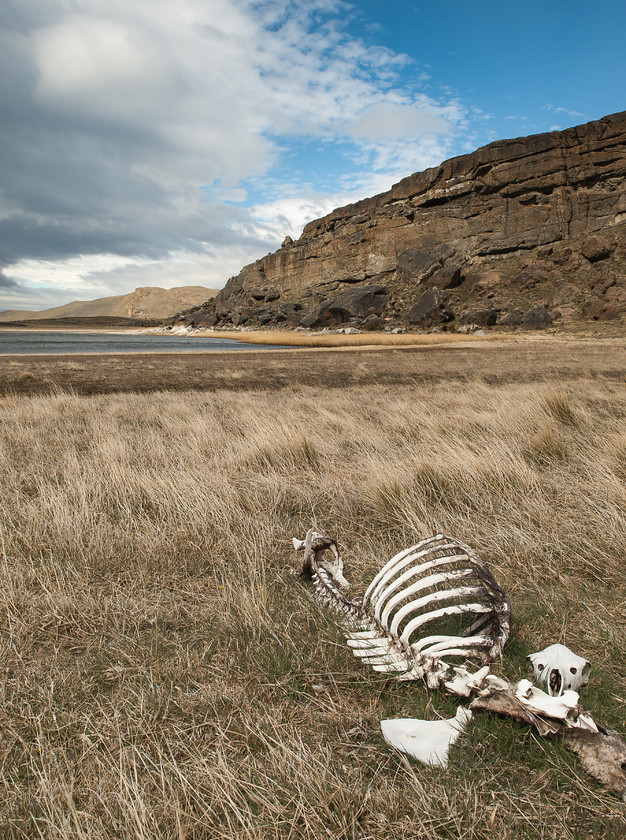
(171,142)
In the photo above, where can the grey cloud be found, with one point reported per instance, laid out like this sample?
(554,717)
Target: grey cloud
(78,179)
(6,282)
(23,15)
(71,189)
(388,121)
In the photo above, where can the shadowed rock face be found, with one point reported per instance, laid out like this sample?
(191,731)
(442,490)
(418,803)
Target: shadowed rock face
(499,228)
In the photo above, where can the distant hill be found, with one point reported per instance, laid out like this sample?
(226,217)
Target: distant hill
(146,302)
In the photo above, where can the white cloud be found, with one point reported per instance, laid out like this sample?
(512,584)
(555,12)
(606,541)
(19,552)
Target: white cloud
(569,112)
(391,121)
(287,216)
(103,65)
(559,109)
(37,284)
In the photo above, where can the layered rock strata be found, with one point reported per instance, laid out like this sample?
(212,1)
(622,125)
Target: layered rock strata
(536,223)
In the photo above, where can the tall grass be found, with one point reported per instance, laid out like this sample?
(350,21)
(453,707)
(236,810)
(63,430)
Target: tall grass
(367,339)
(165,677)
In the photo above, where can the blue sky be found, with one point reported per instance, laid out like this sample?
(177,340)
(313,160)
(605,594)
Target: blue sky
(146,142)
(515,62)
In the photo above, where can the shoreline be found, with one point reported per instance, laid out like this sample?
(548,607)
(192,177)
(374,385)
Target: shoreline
(97,330)
(254,348)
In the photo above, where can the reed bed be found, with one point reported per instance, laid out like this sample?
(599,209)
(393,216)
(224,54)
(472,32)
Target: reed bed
(164,676)
(290,338)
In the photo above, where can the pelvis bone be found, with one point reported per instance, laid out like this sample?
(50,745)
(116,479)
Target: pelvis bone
(559,669)
(429,611)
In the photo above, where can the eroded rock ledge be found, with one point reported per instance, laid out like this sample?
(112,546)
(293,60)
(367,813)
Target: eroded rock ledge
(520,232)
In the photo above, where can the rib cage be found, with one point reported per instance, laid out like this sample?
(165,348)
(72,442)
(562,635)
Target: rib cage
(426,583)
(422,588)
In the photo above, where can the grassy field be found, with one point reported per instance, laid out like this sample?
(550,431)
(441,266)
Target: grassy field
(164,676)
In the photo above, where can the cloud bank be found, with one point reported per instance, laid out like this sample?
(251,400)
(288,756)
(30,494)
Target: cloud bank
(148,141)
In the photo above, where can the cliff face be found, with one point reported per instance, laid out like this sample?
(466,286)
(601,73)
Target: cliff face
(506,228)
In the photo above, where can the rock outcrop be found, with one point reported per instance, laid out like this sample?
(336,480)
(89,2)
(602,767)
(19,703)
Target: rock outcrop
(533,225)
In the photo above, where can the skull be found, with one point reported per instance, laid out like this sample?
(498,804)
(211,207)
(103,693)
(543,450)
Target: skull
(559,669)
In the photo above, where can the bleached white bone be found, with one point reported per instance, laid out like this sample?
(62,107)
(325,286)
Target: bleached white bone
(559,669)
(432,598)
(387,586)
(436,674)
(407,555)
(362,634)
(538,702)
(374,629)
(399,666)
(422,570)
(428,741)
(585,721)
(465,683)
(314,556)
(367,643)
(458,609)
(423,583)
(431,643)
(373,656)
(497,683)
(446,646)
(369,652)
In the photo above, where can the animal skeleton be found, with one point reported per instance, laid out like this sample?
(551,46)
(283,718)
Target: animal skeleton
(427,588)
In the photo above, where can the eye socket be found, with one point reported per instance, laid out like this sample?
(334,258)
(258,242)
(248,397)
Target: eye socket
(573,670)
(540,667)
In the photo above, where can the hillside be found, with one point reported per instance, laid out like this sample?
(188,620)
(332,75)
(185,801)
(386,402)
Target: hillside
(528,232)
(144,302)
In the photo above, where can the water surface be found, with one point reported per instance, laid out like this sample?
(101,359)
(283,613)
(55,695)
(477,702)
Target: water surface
(62,341)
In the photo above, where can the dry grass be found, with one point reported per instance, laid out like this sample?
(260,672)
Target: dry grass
(288,338)
(165,677)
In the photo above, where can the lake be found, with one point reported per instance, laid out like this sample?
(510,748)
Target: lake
(36,341)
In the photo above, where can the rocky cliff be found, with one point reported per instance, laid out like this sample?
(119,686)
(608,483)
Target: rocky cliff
(519,232)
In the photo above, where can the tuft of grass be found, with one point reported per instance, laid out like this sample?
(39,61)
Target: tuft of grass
(165,676)
(287,453)
(558,405)
(547,444)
